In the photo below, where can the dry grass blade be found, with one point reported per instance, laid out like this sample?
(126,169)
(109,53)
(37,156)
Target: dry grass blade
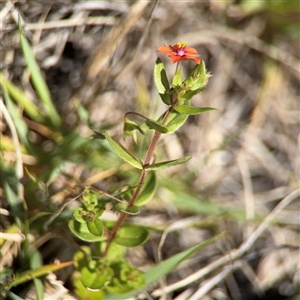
(232,256)
(104,52)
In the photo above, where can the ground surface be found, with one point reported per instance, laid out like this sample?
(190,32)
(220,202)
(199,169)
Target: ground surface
(245,155)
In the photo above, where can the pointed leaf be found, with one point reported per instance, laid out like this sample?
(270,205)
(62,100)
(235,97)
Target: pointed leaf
(122,152)
(177,79)
(192,110)
(161,81)
(156,126)
(175,121)
(147,190)
(167,164)
(196,81)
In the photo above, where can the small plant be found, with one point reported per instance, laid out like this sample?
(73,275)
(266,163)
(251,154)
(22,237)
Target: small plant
(104,267)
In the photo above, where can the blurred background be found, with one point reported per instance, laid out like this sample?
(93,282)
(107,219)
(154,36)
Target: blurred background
(97,58)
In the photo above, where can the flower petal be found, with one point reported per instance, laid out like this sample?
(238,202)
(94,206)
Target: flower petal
(196,59)
(165,50)
(176,58)
(174,47)
(190,50)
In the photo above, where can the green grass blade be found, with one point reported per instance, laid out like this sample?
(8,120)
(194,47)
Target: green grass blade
(20,125)
(36,261)
(170,264)
(164,268)
(18,95)
(14,202)
(38,80)
(31,274)
(13,296)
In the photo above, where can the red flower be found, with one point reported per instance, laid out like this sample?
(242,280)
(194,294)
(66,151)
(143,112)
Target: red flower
(180,52)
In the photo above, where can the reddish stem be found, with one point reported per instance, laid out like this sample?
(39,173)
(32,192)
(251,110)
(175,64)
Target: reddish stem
(147,161)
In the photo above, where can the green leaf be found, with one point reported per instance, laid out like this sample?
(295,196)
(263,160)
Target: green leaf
(130,129)
(126,279)
(90,199)
(156,126)
(196,81)
(82,231)
(122,152)
(165,267)
(167,164)
(177,79)
(192,110)
(14,202)
(133,210)
(79,216)
(96,274)
(120,207)
(115,252)
(175,121)
(148,190)
(161,81)
(83,292)
(83,113)
(38,80)
(18,95)
(96,227)
(131,236)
